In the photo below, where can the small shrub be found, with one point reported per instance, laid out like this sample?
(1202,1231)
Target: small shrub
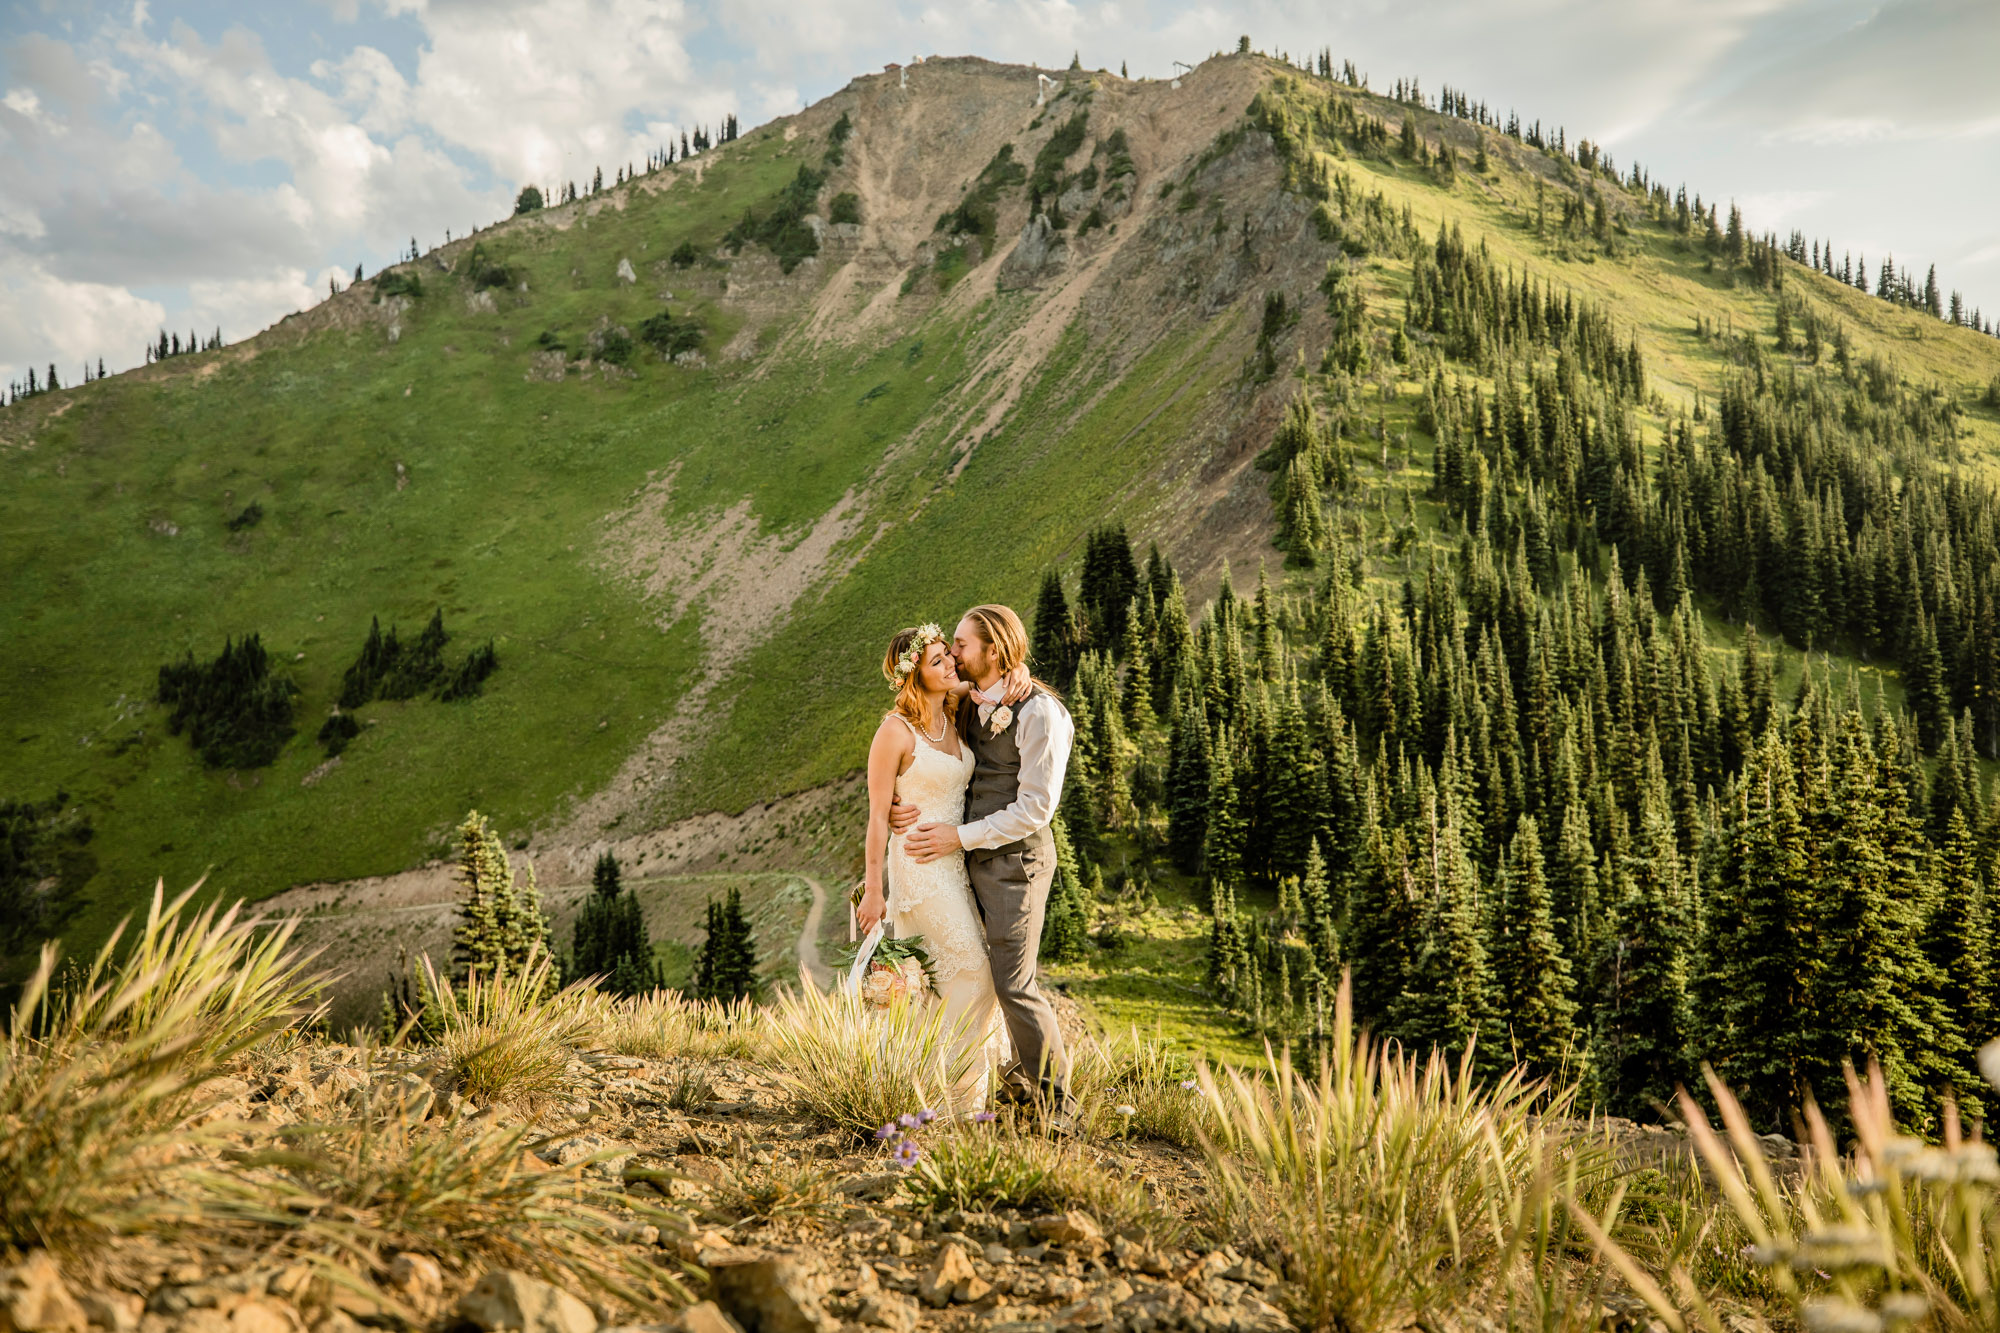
(1061,145)
(845,208)
(338,729)
(529,200)
(483,271)
(782,228)
(841,129)
(1992,398)
(399,282)
(671,336)
(615,346)
(780,1193)
(250,517)
(691,1089)
(684,255)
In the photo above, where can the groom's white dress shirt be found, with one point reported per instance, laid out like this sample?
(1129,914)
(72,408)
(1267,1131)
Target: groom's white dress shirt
(1044,734)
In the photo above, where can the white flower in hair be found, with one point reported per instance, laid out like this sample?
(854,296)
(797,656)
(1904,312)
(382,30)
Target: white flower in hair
(926,635)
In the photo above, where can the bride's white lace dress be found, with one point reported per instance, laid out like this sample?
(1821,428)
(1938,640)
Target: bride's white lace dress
(936,902)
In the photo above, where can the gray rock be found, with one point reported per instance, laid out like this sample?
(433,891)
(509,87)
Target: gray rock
(508,1300)
(33,1298)
(1041,252)
(769,1291)
(625,273)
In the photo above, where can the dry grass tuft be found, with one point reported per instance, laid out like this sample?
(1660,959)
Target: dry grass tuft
(668,1026)
(982,1167)
(352,1194)
(97,1076)
(1897,1234)
(507,1039)
(848,1066)
(1390,1189)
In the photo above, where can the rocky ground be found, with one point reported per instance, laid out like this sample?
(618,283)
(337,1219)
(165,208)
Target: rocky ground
(773,1225)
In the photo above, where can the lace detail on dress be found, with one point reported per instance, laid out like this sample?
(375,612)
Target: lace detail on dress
(935,900)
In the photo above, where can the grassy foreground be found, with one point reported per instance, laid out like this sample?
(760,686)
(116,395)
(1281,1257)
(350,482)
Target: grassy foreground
(175,1106)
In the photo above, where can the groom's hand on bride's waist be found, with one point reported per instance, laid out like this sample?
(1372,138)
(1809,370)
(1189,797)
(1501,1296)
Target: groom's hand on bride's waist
(931,841)
(903,817)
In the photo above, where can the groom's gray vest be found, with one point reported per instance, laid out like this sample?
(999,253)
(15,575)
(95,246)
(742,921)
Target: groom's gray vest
(996,779)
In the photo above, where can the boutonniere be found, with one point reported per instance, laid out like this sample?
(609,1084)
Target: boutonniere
(998,721)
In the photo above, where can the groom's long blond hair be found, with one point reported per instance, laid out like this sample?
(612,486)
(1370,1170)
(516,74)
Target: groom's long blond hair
(1002,631)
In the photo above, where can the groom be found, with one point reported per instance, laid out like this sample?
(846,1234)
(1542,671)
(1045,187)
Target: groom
(1019,756)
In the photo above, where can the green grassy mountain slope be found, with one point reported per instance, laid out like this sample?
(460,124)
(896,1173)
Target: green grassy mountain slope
(686,566)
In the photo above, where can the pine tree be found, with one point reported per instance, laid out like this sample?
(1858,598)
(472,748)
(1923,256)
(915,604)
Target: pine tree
(500,923)
(1188,768)
(610,939)
(1066,920)
(1959,941)
(726,968)
(1054,643)
(1223,844)
(1448,996)
(1531,976)
(1136,692)
(1641,1041)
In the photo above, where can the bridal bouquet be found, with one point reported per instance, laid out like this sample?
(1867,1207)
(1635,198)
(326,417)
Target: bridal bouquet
(898,968)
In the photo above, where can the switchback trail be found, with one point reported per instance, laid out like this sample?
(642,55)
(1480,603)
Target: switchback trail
(808,946)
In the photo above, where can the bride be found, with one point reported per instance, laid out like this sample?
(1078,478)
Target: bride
(918,758)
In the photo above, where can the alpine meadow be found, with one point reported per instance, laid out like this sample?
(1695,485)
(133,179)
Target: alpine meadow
(1509,608)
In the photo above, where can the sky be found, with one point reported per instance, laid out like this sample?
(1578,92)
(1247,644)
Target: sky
(203,165)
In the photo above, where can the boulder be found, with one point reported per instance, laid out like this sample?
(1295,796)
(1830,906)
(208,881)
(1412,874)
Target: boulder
(707,1317)
(1041,251)
(768,1291)
(33,1298)
(417,1277)
(504,1299)
(948,1272)
(1075,1229)
(625,273)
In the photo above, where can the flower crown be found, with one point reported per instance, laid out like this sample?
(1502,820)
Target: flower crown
(926,635)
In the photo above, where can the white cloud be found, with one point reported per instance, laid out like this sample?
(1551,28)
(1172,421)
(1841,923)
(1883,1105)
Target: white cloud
(44,318)
(194,165)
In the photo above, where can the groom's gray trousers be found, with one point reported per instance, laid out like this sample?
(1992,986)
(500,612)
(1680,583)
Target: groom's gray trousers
(1012,886)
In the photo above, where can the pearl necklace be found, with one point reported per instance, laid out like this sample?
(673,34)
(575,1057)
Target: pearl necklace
(944,722)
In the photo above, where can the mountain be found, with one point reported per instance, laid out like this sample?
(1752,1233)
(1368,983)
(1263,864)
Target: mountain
(686,450)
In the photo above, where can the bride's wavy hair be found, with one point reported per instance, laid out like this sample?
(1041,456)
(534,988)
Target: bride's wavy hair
(1002,631)
(909,703)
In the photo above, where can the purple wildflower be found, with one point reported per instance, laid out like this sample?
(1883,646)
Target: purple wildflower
(984,1117)
(886,1132)
(908,1121)
(1188,1085)
(925,1116)
(907,1152)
